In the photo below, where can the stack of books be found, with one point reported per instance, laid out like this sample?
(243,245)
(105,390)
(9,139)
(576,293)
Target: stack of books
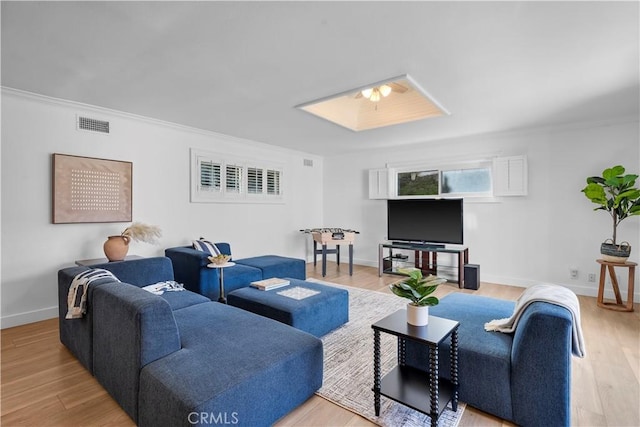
(269,284)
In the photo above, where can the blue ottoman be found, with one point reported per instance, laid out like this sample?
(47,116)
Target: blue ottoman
(321,308)
(276,266)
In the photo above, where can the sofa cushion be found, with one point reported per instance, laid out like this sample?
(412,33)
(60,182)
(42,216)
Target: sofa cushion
(484,358)
(233,365)
(178,300)
(277,266)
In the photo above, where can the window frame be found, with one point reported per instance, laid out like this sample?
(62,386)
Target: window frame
(238,186)
(440,168)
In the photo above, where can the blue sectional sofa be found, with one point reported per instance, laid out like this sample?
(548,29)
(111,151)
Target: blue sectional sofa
(523,377)
(190,268)
(181,359)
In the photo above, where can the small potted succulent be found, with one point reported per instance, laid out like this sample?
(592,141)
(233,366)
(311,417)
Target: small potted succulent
(615,193)
(418,290)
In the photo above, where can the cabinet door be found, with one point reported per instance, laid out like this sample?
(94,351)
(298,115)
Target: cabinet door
(510,176)
(379,183)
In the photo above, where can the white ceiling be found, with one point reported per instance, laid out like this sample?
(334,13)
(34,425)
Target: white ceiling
(240,68)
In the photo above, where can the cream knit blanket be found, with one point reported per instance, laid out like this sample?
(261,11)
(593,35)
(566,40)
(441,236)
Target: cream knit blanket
(553,294)
(77,296)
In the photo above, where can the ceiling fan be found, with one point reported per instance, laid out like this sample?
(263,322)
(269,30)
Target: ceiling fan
(376,93)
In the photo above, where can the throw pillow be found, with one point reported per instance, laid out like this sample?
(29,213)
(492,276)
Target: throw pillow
(206,247)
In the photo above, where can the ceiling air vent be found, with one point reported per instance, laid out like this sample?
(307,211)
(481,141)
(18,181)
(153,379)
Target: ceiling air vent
(93,125)
(308,162)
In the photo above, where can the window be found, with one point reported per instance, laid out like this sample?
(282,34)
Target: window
(233,179)
(469,179)
(463,181)
(254,181)
(420,183)
(221,178)
(273,182)
(210,178)
(480,178)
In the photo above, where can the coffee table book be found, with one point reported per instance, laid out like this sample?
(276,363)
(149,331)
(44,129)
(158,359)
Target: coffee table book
(269,284)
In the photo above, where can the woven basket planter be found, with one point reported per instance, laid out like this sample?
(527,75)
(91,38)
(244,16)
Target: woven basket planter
(615,253)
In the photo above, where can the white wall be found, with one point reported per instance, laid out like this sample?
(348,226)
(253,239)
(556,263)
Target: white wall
(516,240)
(34,249)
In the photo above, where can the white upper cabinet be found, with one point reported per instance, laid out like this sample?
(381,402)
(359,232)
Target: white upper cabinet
(510,176)
(379,183)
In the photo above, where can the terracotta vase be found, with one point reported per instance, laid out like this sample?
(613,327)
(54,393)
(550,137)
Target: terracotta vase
(116,247)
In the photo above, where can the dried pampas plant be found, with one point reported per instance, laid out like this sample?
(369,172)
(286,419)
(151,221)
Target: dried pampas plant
(143,233)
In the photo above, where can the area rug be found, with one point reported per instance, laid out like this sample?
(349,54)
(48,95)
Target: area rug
(348,363)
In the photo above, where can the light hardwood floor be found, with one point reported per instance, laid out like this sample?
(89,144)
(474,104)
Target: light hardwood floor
(43,384)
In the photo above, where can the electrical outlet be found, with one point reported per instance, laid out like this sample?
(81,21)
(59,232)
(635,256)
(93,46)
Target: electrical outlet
(573,273)
(592,277)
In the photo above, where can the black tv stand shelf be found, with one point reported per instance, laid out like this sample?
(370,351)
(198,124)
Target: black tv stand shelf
(425,258)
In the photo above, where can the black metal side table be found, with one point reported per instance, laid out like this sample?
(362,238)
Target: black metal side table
(423,391)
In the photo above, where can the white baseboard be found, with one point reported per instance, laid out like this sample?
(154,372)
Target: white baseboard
(28,317)
(578,289)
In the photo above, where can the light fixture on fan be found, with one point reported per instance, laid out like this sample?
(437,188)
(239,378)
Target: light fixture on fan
(376,93)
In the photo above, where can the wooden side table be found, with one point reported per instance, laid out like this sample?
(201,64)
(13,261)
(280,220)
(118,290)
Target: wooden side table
(610,266)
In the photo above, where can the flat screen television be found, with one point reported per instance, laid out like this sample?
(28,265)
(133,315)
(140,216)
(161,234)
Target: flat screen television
(438,221)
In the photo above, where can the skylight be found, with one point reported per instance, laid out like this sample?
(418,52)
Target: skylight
(389,102)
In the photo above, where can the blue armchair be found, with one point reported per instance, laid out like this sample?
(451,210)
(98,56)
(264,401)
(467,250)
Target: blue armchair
(523,377)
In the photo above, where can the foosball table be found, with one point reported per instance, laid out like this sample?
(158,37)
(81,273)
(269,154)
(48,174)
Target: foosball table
(331,236)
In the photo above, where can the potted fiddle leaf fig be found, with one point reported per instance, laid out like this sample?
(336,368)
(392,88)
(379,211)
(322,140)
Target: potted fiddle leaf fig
(615,193)
(418,290)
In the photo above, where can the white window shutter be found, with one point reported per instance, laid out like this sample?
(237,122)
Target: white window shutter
(233,179)
(209,176)
(379,183)
(510,176)
(254,180)
(273,182)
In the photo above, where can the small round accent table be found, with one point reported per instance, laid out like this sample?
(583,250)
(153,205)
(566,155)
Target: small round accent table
(221,267)
(610,266)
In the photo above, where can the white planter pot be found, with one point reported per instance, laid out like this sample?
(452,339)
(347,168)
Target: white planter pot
(417,315)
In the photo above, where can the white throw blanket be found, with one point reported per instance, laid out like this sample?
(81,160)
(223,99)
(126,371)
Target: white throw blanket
(77,307)
(553,294)
(162,287)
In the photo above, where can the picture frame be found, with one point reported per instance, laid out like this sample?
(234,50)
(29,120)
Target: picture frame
(87,189)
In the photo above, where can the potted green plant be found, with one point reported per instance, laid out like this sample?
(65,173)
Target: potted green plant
(417,289)
(615,193)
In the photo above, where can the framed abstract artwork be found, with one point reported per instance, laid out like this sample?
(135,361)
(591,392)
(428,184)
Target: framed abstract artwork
(87,189)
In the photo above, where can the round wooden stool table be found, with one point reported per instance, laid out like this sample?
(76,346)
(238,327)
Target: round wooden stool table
(610,266)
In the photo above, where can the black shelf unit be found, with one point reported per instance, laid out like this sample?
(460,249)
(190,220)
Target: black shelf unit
(425,258)
(410,387)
